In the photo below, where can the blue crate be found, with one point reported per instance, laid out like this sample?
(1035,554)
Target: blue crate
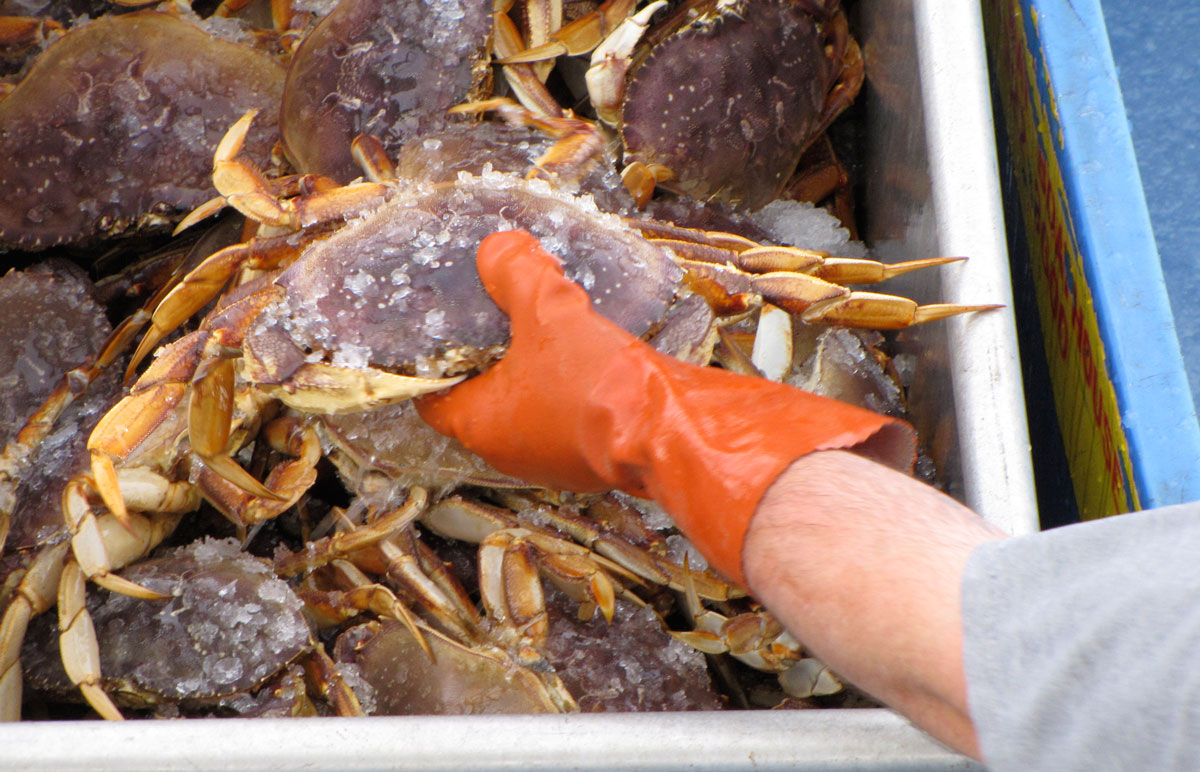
(1125,410)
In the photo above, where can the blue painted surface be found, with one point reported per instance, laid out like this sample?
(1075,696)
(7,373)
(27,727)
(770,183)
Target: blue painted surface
(1157,52)
(1102,181)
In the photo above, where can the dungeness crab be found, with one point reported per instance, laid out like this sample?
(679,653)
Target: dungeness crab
(720,99)
(109,129)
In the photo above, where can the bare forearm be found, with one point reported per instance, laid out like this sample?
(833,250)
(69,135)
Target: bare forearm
(864,565)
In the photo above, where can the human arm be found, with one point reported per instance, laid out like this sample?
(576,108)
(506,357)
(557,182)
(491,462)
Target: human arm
(869,580)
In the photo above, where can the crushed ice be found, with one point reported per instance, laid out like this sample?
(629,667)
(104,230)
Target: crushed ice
(802,224)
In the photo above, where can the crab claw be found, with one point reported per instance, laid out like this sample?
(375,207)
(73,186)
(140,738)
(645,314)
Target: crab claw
(104,474)
(578,37)
(316,387)
(610,61)
(100,546)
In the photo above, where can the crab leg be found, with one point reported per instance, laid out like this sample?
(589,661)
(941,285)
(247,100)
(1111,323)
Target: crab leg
(20,31)
(815,300)
(727,248)
(799,280)
(286,483)
(580,572)
(281,11)
(641,563)
(290,479)
(510,590)
(103,544)
(144,413)
(842,270)
(245,188)
(204,283)
(757,639)
(210,417)
(818,301)
(542,18)
(773,348)
(610,62)
(80,651)
(731,354)
(447,604)
(149,411)
(316,387)
(388,546)
(371,156)
(410,566)
(34,595)
(579,142)
(578,37)
(872,310)
(322,673)
(37,427)
(99,544)
(848,85)
(523,79)
(362,595)
(343,543)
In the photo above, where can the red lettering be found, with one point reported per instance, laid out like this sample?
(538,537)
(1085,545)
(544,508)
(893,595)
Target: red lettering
(1118,485)
(1082,344)
(1106,443)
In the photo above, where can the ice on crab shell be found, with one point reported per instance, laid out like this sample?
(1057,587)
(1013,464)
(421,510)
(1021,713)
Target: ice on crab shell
(228,625)
(399,290)
(629,664)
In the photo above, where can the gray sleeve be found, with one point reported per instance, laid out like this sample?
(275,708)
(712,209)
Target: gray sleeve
(1082,645)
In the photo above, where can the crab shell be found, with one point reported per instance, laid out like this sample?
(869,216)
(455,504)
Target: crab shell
(399,291)
(52,325)
(443,155)
(730,101)
(113,126)
(227,626)
(388,69)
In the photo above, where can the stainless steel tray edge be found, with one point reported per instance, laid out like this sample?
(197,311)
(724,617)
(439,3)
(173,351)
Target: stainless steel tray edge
(932,188)
(995,455)
(817,741)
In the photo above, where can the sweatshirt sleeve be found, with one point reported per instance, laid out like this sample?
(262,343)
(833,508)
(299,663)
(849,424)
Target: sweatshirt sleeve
(1082,645)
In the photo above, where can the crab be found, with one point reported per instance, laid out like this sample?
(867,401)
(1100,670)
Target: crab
(457,663)
(391,70)
(84,542)
(38,463)
(53,326)
(591,657)
(721,99)
(224,626)
(107,133)
(382,453)
(797,70)
(598,552)
(458,679)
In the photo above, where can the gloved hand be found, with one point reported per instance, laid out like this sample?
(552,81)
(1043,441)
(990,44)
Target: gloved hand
(579,404)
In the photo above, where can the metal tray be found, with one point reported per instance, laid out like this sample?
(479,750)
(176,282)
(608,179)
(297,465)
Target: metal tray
(931,190)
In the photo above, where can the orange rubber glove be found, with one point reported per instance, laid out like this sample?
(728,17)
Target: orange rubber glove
(579,404)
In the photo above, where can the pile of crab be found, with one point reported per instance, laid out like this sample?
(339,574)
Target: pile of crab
(267,525)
